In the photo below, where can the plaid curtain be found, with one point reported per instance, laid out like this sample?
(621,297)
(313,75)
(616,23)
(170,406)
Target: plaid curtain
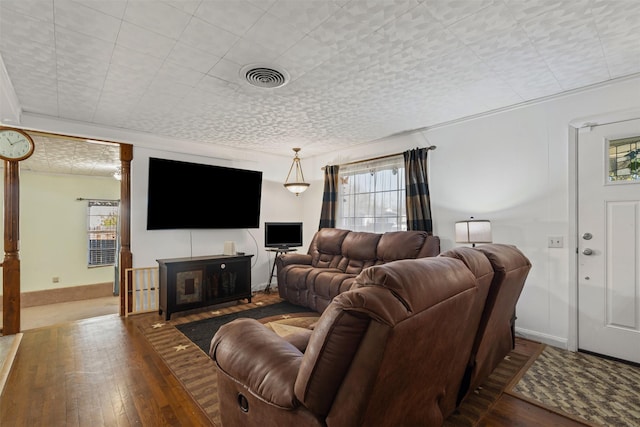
(329,197)
(417,190)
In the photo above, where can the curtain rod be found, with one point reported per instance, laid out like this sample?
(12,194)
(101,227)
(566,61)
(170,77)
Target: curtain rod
(355,162)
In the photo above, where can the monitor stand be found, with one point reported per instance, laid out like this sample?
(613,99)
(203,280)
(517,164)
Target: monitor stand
(278,251)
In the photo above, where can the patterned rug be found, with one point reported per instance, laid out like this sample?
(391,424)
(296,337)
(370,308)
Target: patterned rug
(600,391)
(197,372)
(201,331)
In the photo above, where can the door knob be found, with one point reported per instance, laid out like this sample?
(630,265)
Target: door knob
(587,251)
(587,236)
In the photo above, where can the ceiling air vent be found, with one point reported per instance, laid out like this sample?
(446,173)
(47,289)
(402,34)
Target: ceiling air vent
(264,76)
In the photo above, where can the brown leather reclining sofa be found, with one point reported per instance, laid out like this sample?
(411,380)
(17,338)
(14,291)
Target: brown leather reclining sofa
(402,347)
(335,257)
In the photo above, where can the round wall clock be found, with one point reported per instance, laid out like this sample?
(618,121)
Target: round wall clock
(15,144)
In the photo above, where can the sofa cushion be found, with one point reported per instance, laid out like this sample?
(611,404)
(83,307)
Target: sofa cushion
(326,247)
(405,278)
(496,338)
(358,251)
(328,355)
(324,284)
(476,262)
(396,245)
(299,339)
(328,283)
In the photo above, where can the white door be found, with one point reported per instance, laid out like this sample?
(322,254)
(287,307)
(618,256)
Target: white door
(609,240)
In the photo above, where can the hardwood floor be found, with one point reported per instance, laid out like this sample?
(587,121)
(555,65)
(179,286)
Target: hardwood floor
(94,372)
(52,314)
(103,372)
(511,411)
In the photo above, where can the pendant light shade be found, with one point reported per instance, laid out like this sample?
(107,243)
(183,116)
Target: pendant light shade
(297,184)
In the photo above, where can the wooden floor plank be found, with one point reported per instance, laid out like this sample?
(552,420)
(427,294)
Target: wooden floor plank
(513,412)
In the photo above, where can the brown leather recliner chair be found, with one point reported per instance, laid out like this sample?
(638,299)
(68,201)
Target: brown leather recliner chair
(391,351)
(495,336)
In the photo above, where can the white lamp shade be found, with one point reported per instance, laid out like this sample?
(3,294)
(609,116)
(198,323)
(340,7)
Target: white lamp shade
(296,187)
(473,231)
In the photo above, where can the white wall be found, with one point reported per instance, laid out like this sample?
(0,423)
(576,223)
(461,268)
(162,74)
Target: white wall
(513,169)
(53,236)
(277,204)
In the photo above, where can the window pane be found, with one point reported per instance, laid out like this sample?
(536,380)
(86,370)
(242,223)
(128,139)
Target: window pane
(624,159)
(362,183)
(372,197)
(387,180)
(102,224)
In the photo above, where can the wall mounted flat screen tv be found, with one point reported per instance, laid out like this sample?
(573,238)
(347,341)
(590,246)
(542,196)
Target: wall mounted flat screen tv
(282,235)
(193,195)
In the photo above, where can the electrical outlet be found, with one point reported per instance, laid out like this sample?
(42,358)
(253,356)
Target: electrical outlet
(556,241)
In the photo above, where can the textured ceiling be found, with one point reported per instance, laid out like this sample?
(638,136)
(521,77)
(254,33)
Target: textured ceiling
(359,70)
(71,156)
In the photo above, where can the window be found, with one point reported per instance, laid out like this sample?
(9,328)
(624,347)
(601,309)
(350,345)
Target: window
(372,196)
(624,159)
(102,232)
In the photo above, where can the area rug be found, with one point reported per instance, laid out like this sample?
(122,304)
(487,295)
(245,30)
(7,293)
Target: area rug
(599,391)
(201,331)
(197,372)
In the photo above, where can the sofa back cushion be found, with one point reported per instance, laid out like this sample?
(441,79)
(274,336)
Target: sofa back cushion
(326,247)
(353,251)
(431,247)
(480,266)
(334,341)
(395,245)
(477,262)
(358,251)
(394,337)
(494,339)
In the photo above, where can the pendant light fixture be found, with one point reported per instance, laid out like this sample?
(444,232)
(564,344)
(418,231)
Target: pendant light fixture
(297,185)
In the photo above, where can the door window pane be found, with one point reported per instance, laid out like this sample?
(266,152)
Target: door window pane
(624,159)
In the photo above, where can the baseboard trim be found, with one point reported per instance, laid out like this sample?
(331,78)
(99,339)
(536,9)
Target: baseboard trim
(58,295)
(551,340)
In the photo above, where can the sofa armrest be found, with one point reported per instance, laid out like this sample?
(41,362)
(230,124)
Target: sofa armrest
(293,258)
(256,357)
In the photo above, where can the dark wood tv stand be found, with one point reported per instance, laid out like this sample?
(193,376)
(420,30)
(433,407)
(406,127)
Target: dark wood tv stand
(193,282)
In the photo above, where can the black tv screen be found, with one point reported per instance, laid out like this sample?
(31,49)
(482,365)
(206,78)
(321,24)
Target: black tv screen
(282,235)
(193,195)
